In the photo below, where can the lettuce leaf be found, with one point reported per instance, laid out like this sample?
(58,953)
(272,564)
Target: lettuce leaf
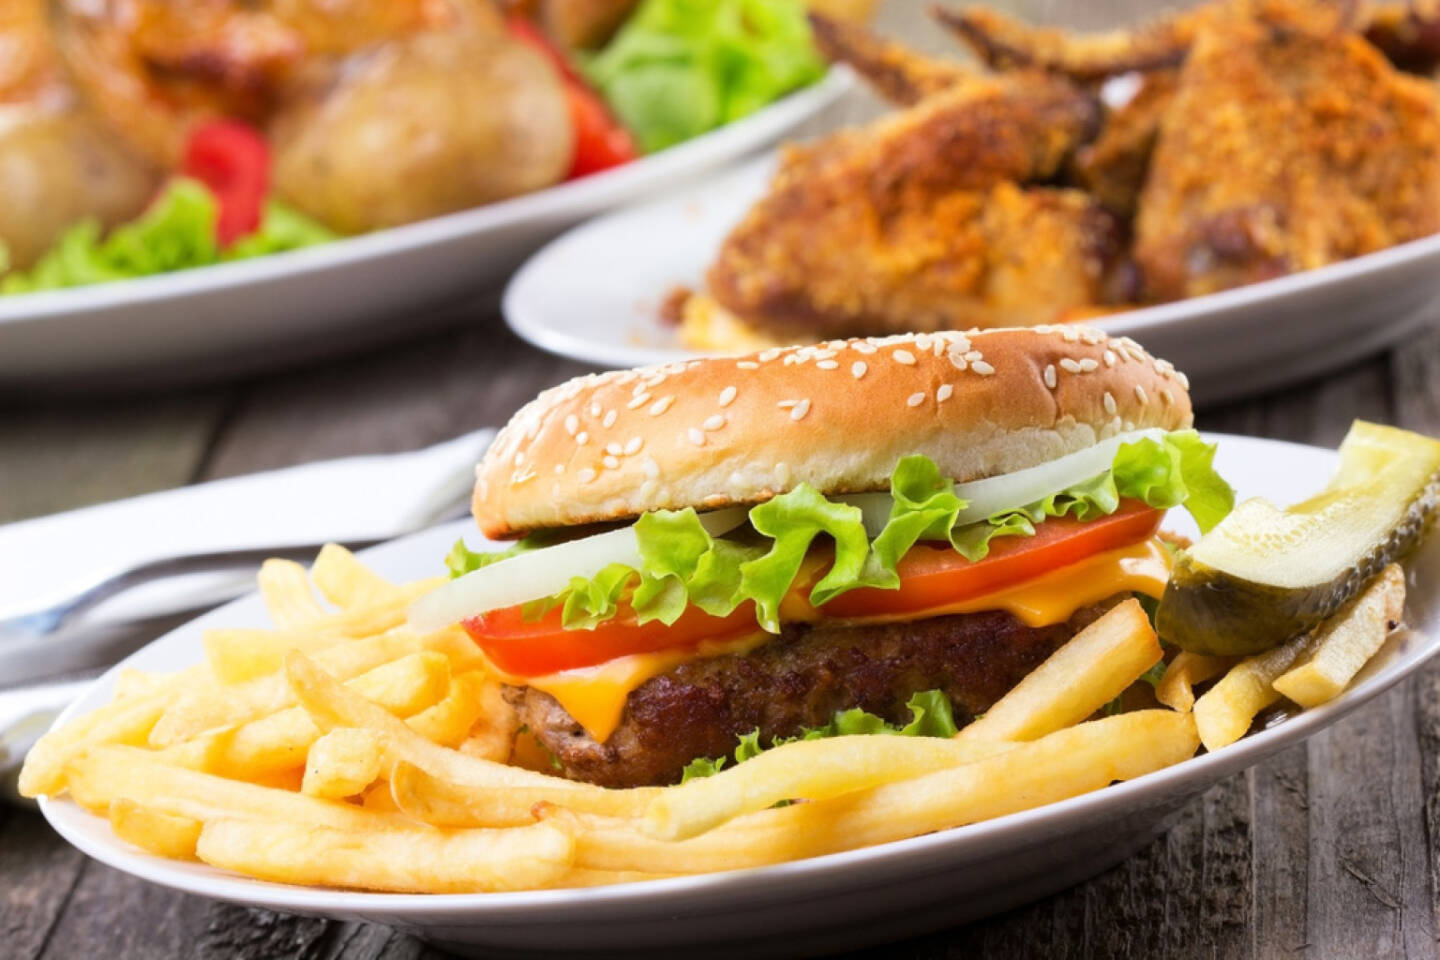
(930,716)
(679,68)
(176,232)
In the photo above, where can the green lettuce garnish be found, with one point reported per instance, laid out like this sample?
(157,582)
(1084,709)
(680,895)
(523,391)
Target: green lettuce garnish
(176,232)
(930,716)
(682,565)
(679,68)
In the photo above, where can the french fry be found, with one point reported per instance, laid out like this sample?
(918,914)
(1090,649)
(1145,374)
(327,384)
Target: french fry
(1089,671)
(101,775)
(346,582)
(238,655)
(403,860)
(378,798)
(443,803)
(1063,764)
(210,709)
(132,684)
(163,834)
(1226,710)
(342,763)
(279,742)
(330,704)
(1347,642)
(449,721)
(129,721)
(804,770)
(493,738)
(1176,688)
(286,591)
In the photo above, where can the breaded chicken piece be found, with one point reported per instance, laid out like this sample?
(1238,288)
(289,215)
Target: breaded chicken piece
(1284,150)
(901,75)
(919,222)
(1114,165)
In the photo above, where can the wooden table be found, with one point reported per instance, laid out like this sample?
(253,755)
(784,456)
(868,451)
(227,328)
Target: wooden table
(1331,849)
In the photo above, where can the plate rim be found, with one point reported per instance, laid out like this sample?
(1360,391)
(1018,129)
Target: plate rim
(527,325)
(1184,778)
(587,194)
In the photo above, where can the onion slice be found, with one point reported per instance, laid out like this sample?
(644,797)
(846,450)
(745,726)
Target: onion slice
(542,573)
(1009,491)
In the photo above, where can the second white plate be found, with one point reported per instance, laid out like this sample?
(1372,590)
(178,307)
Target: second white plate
(826,904)
(594,295)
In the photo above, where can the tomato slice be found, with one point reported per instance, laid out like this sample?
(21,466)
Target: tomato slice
(539,647)
(933,577)
(233,161)
(930,578)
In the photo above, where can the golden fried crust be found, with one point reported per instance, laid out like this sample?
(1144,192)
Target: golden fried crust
(893,228)
(1113,167)
(902,75)
(707,433)
(1284,151)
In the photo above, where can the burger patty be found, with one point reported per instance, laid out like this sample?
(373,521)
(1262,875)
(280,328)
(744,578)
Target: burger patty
(802,678)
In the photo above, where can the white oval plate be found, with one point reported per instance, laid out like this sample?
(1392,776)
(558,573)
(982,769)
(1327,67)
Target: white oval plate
(235,317)
(594,295)
(842,901)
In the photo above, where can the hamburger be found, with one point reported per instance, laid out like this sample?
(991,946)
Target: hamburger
(744,549)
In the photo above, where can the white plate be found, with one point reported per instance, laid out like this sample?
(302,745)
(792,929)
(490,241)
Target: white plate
(842,901)
(594,295)
(239,316)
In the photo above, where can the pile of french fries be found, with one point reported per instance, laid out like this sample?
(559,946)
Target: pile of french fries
(343,749)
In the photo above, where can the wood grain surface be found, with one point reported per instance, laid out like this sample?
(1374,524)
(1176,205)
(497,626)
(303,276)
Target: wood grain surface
(1330,849)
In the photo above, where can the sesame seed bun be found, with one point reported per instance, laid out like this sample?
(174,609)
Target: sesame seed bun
(838,415)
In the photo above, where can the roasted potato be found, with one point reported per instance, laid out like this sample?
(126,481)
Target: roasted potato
(426,125)
(60,166)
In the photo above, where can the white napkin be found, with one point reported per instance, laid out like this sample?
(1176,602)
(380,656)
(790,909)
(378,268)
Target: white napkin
(355,498)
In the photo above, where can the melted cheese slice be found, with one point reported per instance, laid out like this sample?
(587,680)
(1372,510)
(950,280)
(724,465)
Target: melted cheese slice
(595,696)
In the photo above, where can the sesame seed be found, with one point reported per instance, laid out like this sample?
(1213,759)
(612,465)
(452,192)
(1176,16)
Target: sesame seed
(614,449)
(639,389)
(858,368)
(714,422)
(782,473)
(943,393)
(572,424)
(519,457)
(982,368)
(1184,380)
(609,420)
(696,437)
(1069,365)
(594,409)
(587,474)
(611,463)
(800,409)
(1109,358)
(727,396)
(915,399)
(1088,364)
(582,438)
(837,344)
(972,355)
(1109,403)
(786,404)
(748,365)
(1167,396)
(860,346)
(1140,394)
(1070,335)
(639,400)
(651,468)
(904,356)
(661,405)
(633,447)
(1051,380)
(827,365)
(765,356)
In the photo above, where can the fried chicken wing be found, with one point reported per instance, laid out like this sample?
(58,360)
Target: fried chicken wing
(899,74)
(921,222)
(1113,166)
(1005,43)
(1282,151)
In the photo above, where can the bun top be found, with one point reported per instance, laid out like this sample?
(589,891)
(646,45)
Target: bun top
(837,415)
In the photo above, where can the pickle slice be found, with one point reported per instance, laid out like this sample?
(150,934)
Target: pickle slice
(1264,575)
